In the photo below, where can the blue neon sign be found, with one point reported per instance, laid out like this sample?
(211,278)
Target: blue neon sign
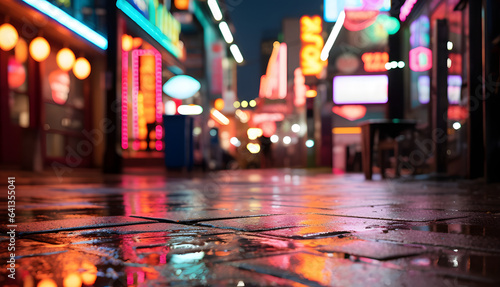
(69,22)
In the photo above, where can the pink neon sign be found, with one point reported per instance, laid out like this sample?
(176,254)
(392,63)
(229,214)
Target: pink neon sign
(125,100)
(420,59)
(135,94)
(406,9)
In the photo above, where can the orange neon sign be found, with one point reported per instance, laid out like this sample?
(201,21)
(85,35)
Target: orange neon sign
(312,44)
(375,62)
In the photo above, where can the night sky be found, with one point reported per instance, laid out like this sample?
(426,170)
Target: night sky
(255,20)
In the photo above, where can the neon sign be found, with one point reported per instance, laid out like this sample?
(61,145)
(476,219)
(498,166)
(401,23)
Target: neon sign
(420,59)
(424,89)
(146,98)
(159,24)
(267,117)
(371,89)
(332,8)
(350,112)
(312,44)
(69,22)
(358,20)
(375,62)
(419,32)
(273,84)
(299,88)
(406,9)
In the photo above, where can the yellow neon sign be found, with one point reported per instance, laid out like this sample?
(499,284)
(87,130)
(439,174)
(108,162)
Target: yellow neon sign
(312,43)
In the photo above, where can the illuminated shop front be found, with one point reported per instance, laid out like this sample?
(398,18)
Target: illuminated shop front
(52,68)
(419,42)
(150,55)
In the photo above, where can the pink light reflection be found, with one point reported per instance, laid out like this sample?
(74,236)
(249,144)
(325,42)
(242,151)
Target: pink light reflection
(125,100)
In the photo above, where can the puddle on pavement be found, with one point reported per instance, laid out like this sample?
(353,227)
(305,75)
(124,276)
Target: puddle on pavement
(455,228)
(132,259)
(461,262)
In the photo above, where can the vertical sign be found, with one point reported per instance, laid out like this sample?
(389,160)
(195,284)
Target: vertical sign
(312,44)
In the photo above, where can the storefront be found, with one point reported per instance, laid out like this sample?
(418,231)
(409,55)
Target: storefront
(151,54)
(441,110)
(51,62)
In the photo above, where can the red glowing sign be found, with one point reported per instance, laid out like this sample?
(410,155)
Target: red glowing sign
(358,20)
(273,85)
(312,44)
(375,62)
(350,112)
(299,88)
(420,59)
(456,64)
(59,85)
(267,117)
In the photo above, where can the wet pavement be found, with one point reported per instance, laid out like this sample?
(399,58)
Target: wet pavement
(253,228)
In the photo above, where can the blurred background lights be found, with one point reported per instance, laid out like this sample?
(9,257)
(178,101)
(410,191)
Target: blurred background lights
(81,69)
(65,59)
(244,104)
(252,103)
(449,45)
(457,125)
(234,141)
(311,93)
(254,133)
(170,108)
(189,109)
(39,49)
(287,140)
(295,128)
(309,143)
(401,64)
(219,104)
(236,104)
(8,37)
(213,132)
(196,131)
(253,148)
(275,138)
(127,42)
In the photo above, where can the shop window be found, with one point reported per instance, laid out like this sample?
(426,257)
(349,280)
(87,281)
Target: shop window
(18,84)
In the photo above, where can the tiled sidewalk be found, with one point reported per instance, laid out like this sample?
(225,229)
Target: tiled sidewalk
(254,228)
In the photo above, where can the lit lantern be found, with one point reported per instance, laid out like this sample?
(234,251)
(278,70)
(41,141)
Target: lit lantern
(81,69)
(39,49)
(47,283)
(8,37)
(21,51)
(219,104)
(72,280)
(65,59)
(127,42)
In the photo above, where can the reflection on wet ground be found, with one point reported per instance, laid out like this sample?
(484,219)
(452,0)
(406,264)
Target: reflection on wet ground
(255,228)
